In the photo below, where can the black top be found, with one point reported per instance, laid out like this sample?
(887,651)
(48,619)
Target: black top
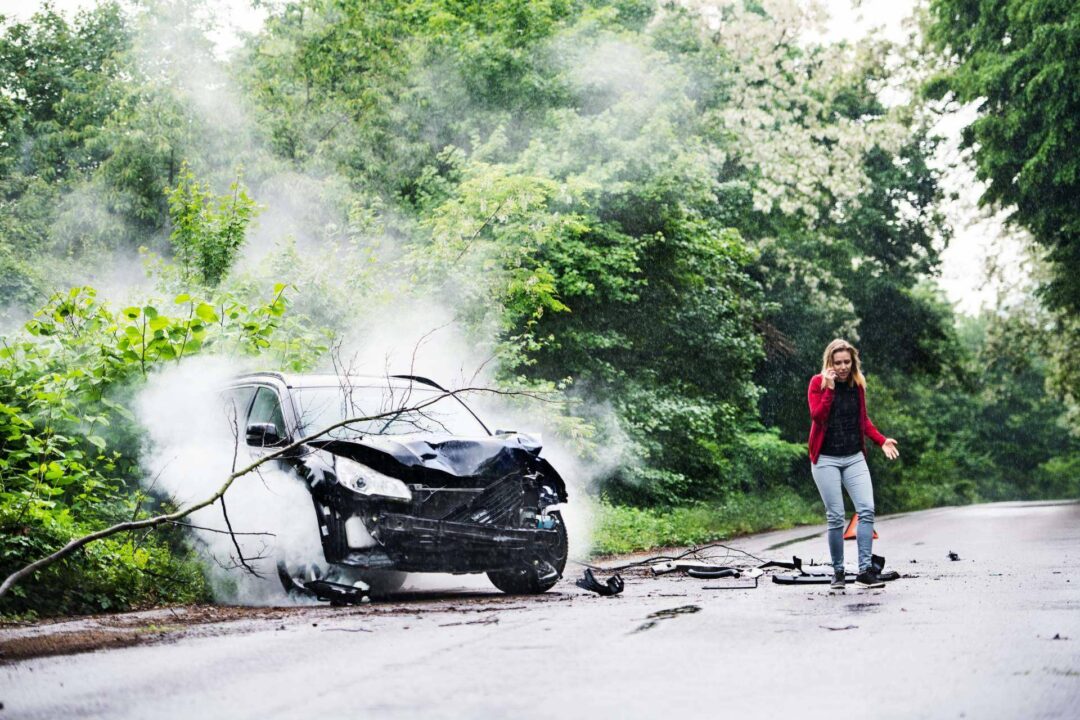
(842,434)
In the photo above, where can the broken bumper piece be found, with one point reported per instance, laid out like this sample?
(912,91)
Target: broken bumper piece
(324,589)
(610,587)
(802,577)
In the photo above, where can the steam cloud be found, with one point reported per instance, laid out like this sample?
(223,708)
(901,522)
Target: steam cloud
(191,439)
(383,328)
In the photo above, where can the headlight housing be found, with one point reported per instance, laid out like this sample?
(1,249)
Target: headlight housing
(365,481)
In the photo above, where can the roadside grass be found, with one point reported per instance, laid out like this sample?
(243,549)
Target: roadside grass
(620,529)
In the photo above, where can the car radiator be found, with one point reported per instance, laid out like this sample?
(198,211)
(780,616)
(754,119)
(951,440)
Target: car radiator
(501,504)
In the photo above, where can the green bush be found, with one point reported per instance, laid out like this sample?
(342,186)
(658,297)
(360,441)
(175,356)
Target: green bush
(769,461)
(70,450)
(1059,478)
(117,573)
(623,529)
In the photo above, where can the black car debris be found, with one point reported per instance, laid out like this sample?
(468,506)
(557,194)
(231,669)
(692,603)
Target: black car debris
(420,489)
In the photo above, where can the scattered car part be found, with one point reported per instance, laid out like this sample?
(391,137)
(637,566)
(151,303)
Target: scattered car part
(878,563)
(690,567)
(313,582)
(802,577)
(663,568)
(697,550)
(795,564)
(754,574)
(810,579)
(714,572)
(612,586)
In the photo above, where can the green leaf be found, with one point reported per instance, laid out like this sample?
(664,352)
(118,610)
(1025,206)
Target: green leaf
(182,298)
(118,408)
(97,441)
(206,312)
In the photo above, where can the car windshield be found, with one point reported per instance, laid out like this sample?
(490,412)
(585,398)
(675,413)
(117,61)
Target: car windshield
(399,409)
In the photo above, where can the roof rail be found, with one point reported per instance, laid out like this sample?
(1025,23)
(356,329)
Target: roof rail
(262,373)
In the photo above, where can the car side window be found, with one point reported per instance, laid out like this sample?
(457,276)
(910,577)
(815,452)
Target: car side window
(237,401)
(267,409)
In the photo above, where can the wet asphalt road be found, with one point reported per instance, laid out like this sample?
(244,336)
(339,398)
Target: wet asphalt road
(993,635)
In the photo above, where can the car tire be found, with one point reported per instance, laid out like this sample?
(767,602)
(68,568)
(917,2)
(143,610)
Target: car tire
(526,579)
(384,582)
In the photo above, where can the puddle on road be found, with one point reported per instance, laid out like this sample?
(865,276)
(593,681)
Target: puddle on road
(656,617)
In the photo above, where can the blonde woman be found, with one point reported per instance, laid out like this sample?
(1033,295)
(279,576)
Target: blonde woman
(839,427)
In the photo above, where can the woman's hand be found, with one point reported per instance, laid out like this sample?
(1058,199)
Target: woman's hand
(889,446)
(830,378)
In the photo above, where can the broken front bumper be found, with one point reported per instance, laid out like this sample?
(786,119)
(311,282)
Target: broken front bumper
(417,544)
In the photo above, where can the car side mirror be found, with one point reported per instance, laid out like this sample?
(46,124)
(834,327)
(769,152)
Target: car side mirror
(263,435)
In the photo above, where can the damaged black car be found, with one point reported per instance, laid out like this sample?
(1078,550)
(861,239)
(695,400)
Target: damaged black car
(421,486)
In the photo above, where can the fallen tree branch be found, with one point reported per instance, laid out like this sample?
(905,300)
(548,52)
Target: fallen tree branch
(236,543)
(173,517)
(224,510)
(221,532)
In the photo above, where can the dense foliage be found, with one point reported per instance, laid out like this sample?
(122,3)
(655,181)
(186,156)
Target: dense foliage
(660,211)
(1019,63)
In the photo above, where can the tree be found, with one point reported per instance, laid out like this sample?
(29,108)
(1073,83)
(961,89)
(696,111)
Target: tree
(207,232)
(1019,61)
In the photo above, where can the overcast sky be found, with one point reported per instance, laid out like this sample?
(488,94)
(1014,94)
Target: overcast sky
(979,240)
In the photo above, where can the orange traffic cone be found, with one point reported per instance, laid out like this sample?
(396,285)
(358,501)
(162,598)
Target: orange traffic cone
(849,534)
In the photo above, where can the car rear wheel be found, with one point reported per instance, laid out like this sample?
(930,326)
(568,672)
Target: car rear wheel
(533,577)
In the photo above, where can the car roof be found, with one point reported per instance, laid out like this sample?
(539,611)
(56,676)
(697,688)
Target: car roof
(296,380)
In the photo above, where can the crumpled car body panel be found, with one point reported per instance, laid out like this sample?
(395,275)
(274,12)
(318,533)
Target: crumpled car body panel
(466,512)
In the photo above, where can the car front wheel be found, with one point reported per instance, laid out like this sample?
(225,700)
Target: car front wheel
(536,576)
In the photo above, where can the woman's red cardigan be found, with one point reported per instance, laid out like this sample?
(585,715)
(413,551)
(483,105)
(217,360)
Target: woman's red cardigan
(820,400)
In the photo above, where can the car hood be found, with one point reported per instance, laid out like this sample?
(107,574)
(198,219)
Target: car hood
(421,455)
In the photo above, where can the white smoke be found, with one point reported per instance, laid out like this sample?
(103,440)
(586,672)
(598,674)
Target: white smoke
(420,337)
(191,444)
(303,235)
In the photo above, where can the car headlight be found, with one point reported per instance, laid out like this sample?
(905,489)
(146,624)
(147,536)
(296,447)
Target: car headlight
(365,481)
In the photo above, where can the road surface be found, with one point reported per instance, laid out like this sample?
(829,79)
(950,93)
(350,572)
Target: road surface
(995,634)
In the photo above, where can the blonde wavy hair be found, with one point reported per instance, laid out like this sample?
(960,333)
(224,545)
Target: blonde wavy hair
(856,366)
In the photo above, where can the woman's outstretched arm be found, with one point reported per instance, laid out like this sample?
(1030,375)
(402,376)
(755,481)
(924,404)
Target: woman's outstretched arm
(888,445)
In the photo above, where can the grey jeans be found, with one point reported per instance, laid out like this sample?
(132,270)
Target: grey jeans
(850,472)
